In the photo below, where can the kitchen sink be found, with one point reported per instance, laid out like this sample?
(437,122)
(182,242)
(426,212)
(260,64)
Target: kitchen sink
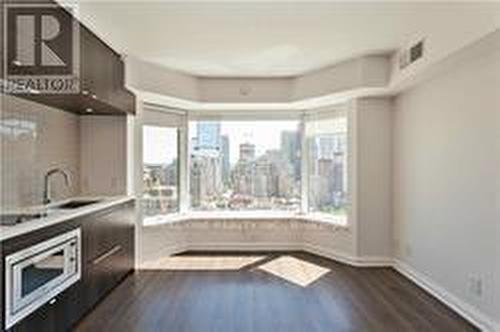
(11,219)
(75,204)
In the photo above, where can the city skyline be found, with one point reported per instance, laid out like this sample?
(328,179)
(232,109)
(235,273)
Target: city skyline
(265,176)
(265,135)
(260,173)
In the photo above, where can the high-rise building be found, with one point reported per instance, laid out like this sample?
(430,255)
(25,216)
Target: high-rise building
(242,176)
(206,179)
(331,145)
(208,135)
(291,149)
(263,177)
(208,154)
(247,152)
(326,146)
(226,166)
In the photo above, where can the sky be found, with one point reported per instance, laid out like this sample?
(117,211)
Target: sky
(160,144)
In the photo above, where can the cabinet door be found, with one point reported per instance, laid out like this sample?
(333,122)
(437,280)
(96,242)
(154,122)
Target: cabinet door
(108,251)
(58,315)
(88,58)
(100,278)
(98,235)
(96,66)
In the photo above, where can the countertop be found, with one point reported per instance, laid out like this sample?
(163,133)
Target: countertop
(55,216)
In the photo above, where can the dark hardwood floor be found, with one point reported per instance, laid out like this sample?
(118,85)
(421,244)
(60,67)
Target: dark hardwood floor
(251,299)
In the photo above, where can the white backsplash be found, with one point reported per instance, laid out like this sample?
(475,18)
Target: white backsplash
(35,138)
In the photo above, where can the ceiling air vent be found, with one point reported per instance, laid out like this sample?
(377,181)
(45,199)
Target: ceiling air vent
(411,54)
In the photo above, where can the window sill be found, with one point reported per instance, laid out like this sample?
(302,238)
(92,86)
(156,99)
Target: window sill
(320,218)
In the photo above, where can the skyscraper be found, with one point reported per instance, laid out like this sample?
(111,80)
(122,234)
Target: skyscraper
(247,152)
(207,168)
(208,135)
(291,148)
(226,166)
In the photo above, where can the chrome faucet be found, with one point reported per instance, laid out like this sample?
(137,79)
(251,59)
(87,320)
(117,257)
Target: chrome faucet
(46,183)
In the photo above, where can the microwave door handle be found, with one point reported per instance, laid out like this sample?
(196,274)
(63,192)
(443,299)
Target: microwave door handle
(16,283)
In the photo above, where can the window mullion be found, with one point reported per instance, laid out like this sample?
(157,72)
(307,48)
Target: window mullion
(184,167)
(304,168)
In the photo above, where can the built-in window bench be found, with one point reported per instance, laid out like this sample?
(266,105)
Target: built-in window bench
(266,231)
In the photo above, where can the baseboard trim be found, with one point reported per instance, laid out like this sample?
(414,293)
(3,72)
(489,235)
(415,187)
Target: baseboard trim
(331,254)
(163,252)
(230,246)
(314,249)
(467,311)
(348,259)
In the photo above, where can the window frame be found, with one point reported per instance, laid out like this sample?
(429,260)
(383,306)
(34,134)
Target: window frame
(184,161)
(155,115)
(330,113)
(177,133)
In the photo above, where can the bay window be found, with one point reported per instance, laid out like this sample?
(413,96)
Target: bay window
(296,164)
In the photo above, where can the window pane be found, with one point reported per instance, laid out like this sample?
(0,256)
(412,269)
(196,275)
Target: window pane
(161,182)
(327,144)
(245,165)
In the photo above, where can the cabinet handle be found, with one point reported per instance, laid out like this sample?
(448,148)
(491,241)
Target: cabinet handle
(111,252)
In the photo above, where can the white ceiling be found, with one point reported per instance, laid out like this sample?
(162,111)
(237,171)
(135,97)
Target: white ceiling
(264,39)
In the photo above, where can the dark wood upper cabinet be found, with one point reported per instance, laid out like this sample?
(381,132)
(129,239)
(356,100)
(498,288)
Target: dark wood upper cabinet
(100,77)
(102,74)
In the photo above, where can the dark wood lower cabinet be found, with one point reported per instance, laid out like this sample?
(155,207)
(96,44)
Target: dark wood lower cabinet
(107,258)
(109,254)
(56,316)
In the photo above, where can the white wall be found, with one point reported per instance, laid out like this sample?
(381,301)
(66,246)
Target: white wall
(357,73)
(497,273)
(446,187)
(361,74)
(374,177)
(103,155)
(244,90)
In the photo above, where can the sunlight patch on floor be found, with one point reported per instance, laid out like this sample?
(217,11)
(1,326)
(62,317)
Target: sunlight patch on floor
(203,262)
(294,270)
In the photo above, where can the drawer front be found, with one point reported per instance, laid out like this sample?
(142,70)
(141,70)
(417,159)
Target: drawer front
(102,232)
(105,271)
